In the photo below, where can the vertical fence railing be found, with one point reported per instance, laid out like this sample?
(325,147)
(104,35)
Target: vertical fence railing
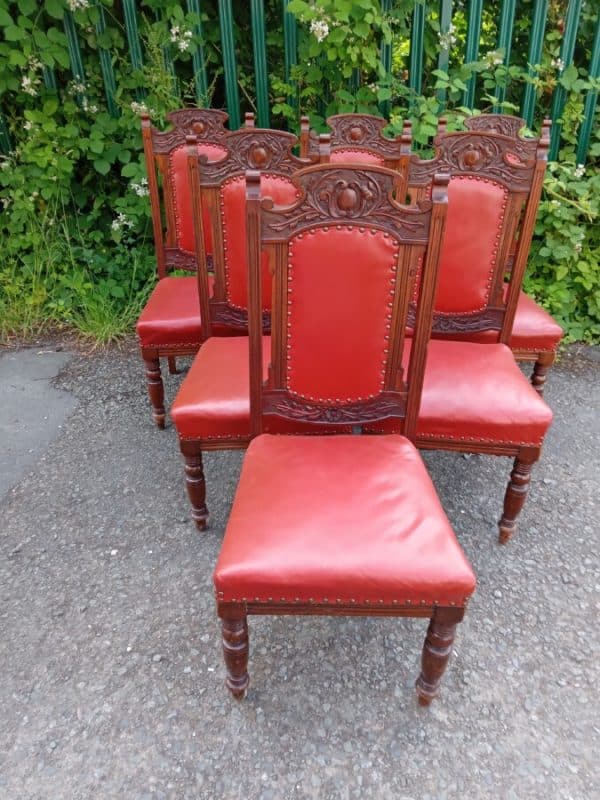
(290,49)
(472,47)
(386,58)
(259,49)
(232,96)
(74,51)
(199,56)
(133,38)
(444,54)
(589,107)
(507,21)
(536,42)
(108,75)
(566,54)
(415,67)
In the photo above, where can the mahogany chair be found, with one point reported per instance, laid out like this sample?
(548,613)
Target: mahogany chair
(535,335)
(218,200)
(358,138)
(169,324)
(340,524)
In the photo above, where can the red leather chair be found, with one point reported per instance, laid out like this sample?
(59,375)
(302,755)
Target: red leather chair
(358,138)
(339,524)
(169,324)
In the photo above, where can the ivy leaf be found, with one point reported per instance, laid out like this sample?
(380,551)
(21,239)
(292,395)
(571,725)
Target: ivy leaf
(101,166)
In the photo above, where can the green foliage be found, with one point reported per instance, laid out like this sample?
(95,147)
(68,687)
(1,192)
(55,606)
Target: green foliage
(75,213)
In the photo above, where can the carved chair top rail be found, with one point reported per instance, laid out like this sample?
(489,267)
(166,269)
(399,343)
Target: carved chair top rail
(341,195)
(504,159)
(251,148)
(207,124)
(358,132)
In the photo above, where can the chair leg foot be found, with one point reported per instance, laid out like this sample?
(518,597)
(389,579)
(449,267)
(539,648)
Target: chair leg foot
(434,660)
(235,652)
(514,499)
(172,361)
(156,390)
(196,489)
(541,368)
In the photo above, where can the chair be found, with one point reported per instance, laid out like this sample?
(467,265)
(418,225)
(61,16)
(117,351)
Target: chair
(218,189)
(535,335)
(358,138)
(340,524)
(169,324)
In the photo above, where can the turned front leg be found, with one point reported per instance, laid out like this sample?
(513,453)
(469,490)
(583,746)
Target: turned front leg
(235,652)
(541,369)
(514,499)
(436,652)
(196,488)
(156,390)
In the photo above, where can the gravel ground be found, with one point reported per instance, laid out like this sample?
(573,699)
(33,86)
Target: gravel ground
(112,680)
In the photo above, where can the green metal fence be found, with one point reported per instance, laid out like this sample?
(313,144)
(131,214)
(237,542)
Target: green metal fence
(442,9)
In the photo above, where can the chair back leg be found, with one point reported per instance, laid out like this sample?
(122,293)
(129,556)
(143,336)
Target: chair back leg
(516,492)
(156,390)
(436,652)
(235,652)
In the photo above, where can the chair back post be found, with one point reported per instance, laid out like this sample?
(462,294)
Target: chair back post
(405,156)
(442,126)
(526,233)
(249,119)
(198,225)
(324,148)
(424,311)
(255,322)
(304,136)
(154,196)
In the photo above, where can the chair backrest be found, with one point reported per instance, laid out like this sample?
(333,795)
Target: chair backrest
(219,201)
(505,124)
(359,139)
(344,258)
(166,155)
(494,192)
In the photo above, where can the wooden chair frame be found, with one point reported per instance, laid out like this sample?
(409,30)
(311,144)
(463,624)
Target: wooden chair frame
(353,132)
(342,196)
(519,165)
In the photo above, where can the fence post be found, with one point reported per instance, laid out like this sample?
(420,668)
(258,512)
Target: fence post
(536,40)
(108,76)
(386,59)
(257,10)
(74,50)
(133,39)
(415,68)
(199,57)
(589,107)
(507,20)
(290,38)
(472,47)
(232,96)
(444,55)
(566,55)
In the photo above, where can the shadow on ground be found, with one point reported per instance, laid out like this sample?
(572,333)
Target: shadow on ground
(112,682)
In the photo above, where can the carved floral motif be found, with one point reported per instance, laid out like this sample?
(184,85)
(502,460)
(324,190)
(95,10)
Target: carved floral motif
(207,124)
(388,405)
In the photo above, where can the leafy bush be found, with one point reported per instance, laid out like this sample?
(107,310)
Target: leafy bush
(75,222)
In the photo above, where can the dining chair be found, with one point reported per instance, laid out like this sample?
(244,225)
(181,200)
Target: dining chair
(169,325)
(218,188)
(339,524)
(535,335)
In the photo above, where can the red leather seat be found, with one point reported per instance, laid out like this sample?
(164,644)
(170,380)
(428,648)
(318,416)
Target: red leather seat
(172,314)
(471,392)
(349,519)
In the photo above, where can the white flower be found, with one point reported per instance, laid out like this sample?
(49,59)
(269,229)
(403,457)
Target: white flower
(121,221)
(448,39)
(579,171)
(77,5)
(188,34)
(320,29)
(93,109)
(76,87)
(578,247)
(5,164)
(141,188)
(183,45)
(139,108)
(28,124)
(558,63)
(28,85)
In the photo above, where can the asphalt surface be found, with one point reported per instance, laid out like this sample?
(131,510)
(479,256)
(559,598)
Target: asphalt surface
(112,679)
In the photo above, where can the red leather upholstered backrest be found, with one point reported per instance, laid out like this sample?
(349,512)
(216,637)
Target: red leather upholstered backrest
(233,221)
(475,217)
(182,198)
(338,276)
(356,156)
